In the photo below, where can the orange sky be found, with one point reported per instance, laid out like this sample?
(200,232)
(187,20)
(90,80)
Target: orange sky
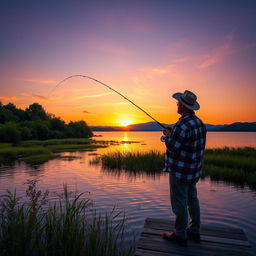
(147,52)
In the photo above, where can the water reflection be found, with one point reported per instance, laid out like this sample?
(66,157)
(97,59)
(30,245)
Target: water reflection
(118,173)
(141,195)
(151,140)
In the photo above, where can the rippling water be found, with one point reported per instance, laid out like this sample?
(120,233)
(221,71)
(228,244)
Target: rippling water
(141,196)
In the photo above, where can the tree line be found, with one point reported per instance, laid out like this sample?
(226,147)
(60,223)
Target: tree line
(34,123)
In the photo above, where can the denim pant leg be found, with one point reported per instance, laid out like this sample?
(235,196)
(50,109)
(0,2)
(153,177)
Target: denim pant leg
(194,209)
(179,194)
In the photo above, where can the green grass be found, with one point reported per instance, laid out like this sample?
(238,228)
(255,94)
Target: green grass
(36,151)
(69,226)
(236,165)
(150,162)
(56,142)
(36,154)
(73,147)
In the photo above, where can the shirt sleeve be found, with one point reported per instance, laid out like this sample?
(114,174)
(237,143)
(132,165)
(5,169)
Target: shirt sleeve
(174,141)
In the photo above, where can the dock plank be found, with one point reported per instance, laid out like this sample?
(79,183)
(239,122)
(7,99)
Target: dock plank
(205,230)
(213,239)
(216,241)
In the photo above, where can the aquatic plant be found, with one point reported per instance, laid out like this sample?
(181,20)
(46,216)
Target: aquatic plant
(69,226)
(36,151)
(150,162)
(237,165)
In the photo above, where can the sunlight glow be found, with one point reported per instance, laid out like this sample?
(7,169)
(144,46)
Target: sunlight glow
(124,122)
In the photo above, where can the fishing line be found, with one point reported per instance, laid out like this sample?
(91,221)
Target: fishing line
(97,81)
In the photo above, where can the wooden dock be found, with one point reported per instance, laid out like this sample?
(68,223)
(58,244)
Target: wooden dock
(215,241)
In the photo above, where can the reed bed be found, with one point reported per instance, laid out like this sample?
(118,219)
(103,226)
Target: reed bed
(62,228)
(36,151)
(149,162)
(236,165)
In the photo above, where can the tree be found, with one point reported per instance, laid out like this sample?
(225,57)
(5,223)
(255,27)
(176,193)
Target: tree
(79,130)
(36,112)
(20,114)
(10,133)
(57,124)
(25,132)
(7,116)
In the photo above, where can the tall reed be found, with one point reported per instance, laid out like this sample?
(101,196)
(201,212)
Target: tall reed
(237,165)
(67,227)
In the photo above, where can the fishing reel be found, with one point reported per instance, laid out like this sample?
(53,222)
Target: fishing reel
(162,138)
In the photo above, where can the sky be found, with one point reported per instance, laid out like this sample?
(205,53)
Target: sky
(145,49)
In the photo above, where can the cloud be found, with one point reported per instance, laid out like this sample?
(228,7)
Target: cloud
(184,59)
(86,112)
(8,98)
(156,106)
(142,27)
(156,71)
(93,96)
(40,81)
(103,45)
(35,96)
(178,44)
(218,54)
(121,103)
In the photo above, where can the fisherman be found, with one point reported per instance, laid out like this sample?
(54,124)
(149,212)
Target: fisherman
(185,144)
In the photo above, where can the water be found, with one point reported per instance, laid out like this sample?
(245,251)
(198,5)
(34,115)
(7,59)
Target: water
(141,196)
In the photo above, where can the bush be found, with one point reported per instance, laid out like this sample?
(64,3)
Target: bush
(62,228)
(79,130)
(9,133)
(26,133)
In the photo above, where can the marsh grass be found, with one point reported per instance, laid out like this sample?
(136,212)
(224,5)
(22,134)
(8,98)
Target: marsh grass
(237,165)
(36,154)
(62,228)
(36,151)
(73,147)
(55,142)
(150,162)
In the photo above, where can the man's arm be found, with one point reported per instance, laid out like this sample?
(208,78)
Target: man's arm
(175,139)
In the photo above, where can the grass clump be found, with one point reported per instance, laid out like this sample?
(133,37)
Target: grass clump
(63,228)
(73,147)
(55,142)
(149,162)
(38,151)
(237,165)
(36,154)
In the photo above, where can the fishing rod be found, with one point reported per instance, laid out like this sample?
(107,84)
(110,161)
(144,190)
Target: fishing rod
(97,81)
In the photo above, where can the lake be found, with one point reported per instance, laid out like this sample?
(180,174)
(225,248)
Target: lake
(140,196)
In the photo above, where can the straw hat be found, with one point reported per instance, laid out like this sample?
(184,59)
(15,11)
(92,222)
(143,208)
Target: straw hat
(188,99)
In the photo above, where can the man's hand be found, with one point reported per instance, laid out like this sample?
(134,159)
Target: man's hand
(167,130)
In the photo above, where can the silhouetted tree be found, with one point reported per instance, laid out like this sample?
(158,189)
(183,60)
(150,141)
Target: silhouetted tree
(9,133)
(7,115)
(79,130)
(36,112)
(35,123)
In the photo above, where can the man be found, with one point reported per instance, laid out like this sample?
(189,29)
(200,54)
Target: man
(185,144)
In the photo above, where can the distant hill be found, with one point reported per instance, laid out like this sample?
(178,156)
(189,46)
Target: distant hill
(150,126)
(153,126)
(239,127)
(212,127)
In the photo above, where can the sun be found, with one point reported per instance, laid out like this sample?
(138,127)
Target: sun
(124,122)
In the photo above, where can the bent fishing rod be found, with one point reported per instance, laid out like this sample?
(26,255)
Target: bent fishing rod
(97,81)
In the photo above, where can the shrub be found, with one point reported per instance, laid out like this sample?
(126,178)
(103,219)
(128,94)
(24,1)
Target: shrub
(9,133)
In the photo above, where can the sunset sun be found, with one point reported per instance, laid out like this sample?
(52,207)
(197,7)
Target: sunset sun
(124,122)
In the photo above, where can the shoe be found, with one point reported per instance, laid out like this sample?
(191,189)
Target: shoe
(193,236)
(171,236)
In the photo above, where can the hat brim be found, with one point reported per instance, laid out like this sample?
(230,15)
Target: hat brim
(178,95)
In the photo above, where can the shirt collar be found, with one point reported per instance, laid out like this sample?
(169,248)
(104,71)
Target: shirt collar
(189,114)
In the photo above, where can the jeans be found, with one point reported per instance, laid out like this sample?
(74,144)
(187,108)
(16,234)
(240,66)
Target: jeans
(184,199)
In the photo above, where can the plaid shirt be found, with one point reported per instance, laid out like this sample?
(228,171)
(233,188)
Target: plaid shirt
(185,148)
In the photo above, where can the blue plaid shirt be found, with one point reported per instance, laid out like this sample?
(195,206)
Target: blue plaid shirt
(185,148)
